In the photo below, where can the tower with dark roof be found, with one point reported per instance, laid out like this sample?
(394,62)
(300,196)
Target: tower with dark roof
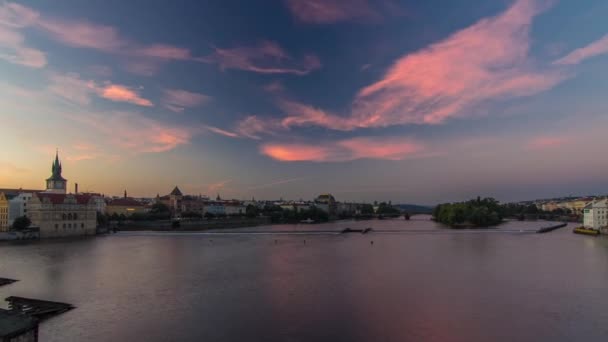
(56,183)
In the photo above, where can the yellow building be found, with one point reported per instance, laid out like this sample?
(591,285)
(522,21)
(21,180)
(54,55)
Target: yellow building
(4,206)
(125,206)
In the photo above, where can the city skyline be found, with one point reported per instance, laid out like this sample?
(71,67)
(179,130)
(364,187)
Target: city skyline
(374,100)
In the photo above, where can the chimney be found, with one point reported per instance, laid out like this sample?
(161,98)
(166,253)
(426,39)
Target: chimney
(75,188)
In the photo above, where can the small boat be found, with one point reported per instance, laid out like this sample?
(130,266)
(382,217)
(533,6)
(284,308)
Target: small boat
(586,231)
(308,220)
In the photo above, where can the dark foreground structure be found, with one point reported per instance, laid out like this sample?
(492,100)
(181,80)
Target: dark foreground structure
(15,327)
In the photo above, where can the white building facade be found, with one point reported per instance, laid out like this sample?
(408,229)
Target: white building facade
(18,206)
(595,215)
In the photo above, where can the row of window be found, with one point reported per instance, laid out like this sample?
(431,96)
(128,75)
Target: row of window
(70,216)
(69,225)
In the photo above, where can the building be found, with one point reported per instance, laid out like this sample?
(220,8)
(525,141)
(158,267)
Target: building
(17,327)
(327,203)
(193,204)
(215,208)
(125,206)
(234,208)
(100,201)
(56,183)
(60,215)
(4,210)
(17,202)
(173,200)
(595,215)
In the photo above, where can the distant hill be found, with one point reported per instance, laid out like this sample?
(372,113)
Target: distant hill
(413,208)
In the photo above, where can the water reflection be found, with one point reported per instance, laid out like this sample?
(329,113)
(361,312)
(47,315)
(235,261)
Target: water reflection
(404,287)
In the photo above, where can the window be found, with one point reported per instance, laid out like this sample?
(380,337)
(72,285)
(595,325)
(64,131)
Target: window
(63,216)
(82,225)
(75,216)
(64,226)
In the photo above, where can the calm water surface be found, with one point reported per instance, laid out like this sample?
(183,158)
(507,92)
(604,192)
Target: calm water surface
(426,285)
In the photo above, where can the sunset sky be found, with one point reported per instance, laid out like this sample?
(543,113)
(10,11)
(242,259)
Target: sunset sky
(410,101)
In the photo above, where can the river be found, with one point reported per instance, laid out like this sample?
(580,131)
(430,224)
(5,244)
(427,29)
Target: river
(407,281)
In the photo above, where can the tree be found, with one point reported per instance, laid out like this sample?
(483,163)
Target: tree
(102,219)
(21,223)
(478,212)
(367,209)
(159,207)
(251,211)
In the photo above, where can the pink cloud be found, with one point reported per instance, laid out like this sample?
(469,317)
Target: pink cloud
(391,148)
(13,47)
(215,187)
(265,58)
(77,90)
(71,87)
(254,127)
(546,142)
(598,47)
(486,61)
(329,11)
(134,132)
(82,34)
(275,183)
(14,15)
(274,87)
(119,93)
(222,132)
(177,100)
(295,152)
(164,51)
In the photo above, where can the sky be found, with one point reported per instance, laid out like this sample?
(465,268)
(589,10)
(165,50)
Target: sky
(409,101)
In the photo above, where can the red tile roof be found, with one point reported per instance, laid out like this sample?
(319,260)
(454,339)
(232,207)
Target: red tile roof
(60,198)
(125,202)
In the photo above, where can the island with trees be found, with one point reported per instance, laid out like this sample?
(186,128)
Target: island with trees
(474,213)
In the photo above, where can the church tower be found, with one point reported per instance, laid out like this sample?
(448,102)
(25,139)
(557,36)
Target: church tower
(56,183)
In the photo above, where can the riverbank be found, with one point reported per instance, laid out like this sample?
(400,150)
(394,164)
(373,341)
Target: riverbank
(192,225)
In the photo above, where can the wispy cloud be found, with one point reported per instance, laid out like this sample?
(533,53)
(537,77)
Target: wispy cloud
(13,47)
(133,132)
(73,88)
(331,11)
(82,34)
(142,59)
(274,87)
(597,48)
(546,142)
(391,148)
(254,127)
(177,100)
(119,93)
(276,182)
(74,33)
(216,187)
(265,58)
(220,131)
(486,61)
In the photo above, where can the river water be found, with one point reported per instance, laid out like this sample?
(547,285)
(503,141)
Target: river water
(407,281)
